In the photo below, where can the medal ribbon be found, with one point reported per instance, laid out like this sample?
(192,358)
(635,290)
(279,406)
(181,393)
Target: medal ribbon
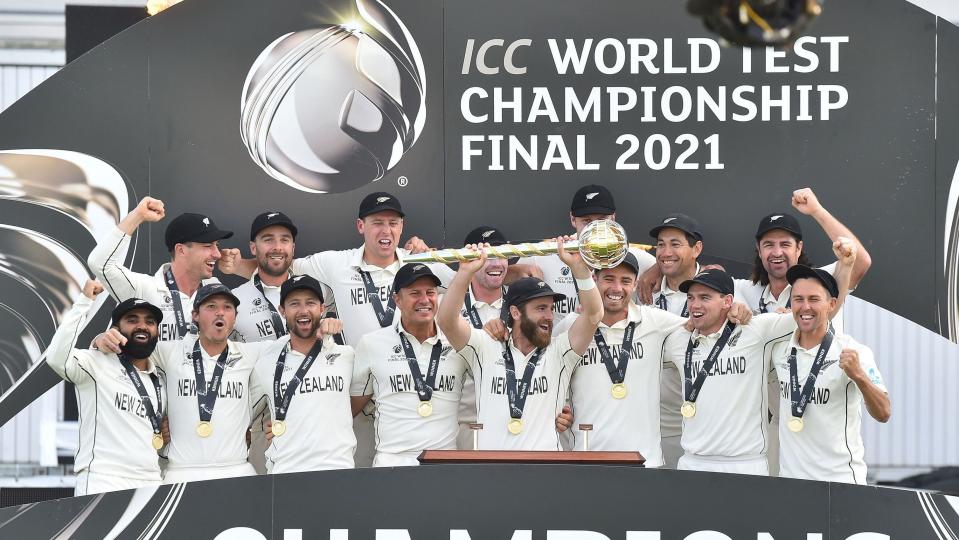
(661,304)
(517,396)
(384,316)
(154,415)
(799,400)
(206,394)
(764,307)
(181,325)
(472,313)
(693,387)
(617,372)
(278,327)
(424,388)
(282,399)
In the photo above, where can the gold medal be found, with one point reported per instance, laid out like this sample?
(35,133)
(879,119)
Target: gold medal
(618,390)
(425,408)
(795,424)
(515,426)
(157,441)
(278,428)
(204,429)
(688,410)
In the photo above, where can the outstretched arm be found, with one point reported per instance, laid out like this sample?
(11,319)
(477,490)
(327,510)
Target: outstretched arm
(581,332)
(105,261)
(456,329)
(807,203)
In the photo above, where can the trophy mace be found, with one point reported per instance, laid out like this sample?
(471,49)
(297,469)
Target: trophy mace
(602,244)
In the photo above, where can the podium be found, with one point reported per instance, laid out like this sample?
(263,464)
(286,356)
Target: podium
(447,457)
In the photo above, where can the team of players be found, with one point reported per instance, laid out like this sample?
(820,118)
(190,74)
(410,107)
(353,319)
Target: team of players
(659,354)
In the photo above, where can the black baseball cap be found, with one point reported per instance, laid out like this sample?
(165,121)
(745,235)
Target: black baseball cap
(716,280)
(380,202)
(801,271)
(785,222)
(269,219)
(630,261)
(592,199)
(484,234)
(214,289)
(295,283)
(130,304)
(678,221)
(525,289)
(193,228)
(411,272)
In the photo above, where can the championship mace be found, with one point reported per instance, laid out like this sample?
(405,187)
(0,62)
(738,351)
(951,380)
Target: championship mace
(602,244)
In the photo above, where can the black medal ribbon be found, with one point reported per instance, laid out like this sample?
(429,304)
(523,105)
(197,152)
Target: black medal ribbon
(692,387)
(282,399)
(617,371)
(764,307)
(799,399)
(154,415)
(206,394)
(181,326)
(663,305)
(517,396)
(424,388)
(383,315)
(472,313)
(278,328)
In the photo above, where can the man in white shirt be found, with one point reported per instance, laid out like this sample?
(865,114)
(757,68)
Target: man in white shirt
(192,240)
(824,380)
(725,368)
(208,378)
(120,397)
(679,242)
(482,303)
(411,371)
(590,203)
(522,384)
(306,380)
(360,280)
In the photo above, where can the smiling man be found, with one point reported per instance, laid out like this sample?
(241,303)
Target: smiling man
(193,243)
(120,396)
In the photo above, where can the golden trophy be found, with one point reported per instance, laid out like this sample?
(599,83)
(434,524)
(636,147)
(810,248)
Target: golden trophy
(602,244)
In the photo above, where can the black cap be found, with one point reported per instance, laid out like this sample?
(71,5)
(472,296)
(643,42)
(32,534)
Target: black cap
(411,272)
(631,262)
(525,289)
(592,199)
(801,271)
(678,221)
(785,222)
(193,228)
(296,283)
(130,304)
(214,289)
(484,234)
(716,280)
(379,202)
(269,219)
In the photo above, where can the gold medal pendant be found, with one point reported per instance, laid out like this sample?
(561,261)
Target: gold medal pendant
(618,390)
(795,424)
(157,441)
(688,410)
(278,428)
(204,429)
(515,426)
(425,408)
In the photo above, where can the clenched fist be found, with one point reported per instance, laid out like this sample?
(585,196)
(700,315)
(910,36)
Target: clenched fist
(805,201)
(228,260)
(150,209)
(92,288)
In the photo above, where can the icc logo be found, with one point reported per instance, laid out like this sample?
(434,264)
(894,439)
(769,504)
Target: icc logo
(370,77)
(565,271)
(397,349)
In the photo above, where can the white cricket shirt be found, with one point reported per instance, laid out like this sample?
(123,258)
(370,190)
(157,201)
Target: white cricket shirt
(116,435)
(732,406)
(383,371)
(830,447)
(319,423)
(548,390)
(755,295)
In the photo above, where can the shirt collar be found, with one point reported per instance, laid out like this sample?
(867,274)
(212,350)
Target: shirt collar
(266,285)
(633,315)
(356,261)
(496,304)
(666,291)
(430,340)
(794,343)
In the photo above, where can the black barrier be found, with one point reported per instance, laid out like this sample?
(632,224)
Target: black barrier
(495,502)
